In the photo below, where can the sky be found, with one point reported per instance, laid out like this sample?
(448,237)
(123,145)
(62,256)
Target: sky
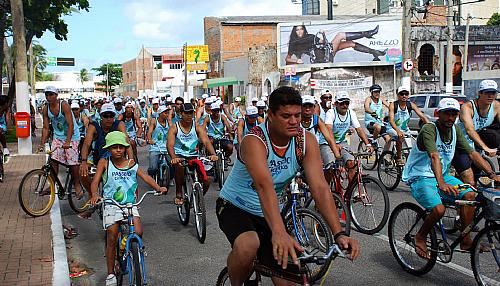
(115,30)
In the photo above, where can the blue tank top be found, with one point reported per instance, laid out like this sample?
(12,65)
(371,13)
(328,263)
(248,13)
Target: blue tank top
(100,141)
(120,184)
(81,126)
(130,127)
(239,188)
(186,143)
(313,127)
(159,137)
(60,125)
(401,118)
(154,114)
(378,109)
(143,112)
(322,116)
(215,129)
(340,127)
(478,121)
(203,116)
(3,121)
(419,162)
(246,129)
(118,112)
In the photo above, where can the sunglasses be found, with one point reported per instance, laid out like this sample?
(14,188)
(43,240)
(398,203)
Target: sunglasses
(75,109)
(308,105)
(189,112)
(404,94)
(344,103)
(326,97)
(108,115)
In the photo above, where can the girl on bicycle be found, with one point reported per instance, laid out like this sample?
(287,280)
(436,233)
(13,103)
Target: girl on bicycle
(119,177)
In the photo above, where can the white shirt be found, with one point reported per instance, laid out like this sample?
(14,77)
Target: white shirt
(330,117)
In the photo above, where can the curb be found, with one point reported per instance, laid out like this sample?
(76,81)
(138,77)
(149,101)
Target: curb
(60,272)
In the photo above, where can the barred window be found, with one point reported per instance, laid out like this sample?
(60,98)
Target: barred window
(310,7)
(426,60)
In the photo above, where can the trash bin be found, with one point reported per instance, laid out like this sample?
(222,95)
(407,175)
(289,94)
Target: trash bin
(22,124)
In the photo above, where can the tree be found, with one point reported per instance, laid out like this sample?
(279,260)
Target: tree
(39,59)
(494,20)
(83,76)
(113,74)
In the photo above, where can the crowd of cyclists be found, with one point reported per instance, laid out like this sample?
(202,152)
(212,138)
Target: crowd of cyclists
(273,138)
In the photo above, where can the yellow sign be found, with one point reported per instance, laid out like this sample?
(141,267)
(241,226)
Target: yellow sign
(196,54)
(197,67)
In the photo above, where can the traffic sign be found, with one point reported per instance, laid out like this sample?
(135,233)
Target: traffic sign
(51,61)
(408,65)
(291,78)
(69,62)
(398,66)
(196,54)
(197,67)
(290,70)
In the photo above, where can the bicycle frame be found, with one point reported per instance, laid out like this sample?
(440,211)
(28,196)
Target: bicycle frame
(50,171)
(291,206)
(162,164)
(127,256)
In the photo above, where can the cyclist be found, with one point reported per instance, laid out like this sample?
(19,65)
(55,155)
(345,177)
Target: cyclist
(133,126)
(66,134)
(254,101)
(325,104)
(177,110)
(374,114)
(157,138)
(475,115)
(246,124)
(340,119)
(217,126)
(4,108)
(426,172)
(119,107)
(153,111)
(182,142)
(143,110)
(248,208)
(204,111)
(97,105)
(261,107)
(399,116)
(119,177)
(236,109)
(81,121)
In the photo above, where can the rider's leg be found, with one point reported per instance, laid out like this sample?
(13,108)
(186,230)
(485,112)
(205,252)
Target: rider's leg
(228,149)
(463,164)
(137,225)
(328,157)
(431,220)
(466,216)
(134,149)
(241,258)
(153,163)
(112,237)
(387,139)
(3,138)
(179,180)
(376,131)
(75,174)
(399,147)
(351,170)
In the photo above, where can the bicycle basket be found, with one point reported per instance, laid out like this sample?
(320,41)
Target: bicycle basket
(492,204)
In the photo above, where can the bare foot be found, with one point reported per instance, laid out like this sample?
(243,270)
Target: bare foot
(466,243)
(421,247)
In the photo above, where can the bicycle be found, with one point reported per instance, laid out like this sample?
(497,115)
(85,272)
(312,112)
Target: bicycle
(389,172)
(301,278)
(162,176)
(130,250)
(220,164)
(408,218)
(36,197)
(192,192)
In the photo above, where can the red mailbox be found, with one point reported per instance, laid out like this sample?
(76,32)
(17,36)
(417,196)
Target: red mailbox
(22,124)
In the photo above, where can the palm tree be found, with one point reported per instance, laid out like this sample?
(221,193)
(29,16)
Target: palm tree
(84,75)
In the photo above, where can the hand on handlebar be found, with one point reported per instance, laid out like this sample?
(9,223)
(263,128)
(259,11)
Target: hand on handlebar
(66,145)
(284,245)
(348,243)
(448,189)
(95,199)
(370,149)
(213,158)
(163,190)
(175,161)
(491,152)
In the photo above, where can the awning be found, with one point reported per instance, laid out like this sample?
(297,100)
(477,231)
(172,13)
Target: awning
(221,81)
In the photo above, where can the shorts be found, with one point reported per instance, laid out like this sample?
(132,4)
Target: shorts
(112,214)
(370,128)
(427,194)
(4,128)
(326,154)
(65,156)
(346,156)
(461,162)
(234,221)
(224,143)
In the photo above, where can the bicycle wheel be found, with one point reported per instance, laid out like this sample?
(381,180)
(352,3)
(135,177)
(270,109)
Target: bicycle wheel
(136,271)
(2,174)
(36,193)
(368,204)
(342,210)
(78,205)
(200,215)
(485,255)
(388,171)
(450,220)
(368,162)
(223,278)
(163,176)
(183,210)
(221,176)
(310,230)
(406,219)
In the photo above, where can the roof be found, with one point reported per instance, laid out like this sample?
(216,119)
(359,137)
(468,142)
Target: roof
(159,51)
(278,19)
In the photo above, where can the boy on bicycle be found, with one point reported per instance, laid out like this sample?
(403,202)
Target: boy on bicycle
(157,138)
(119,177)
(374,113)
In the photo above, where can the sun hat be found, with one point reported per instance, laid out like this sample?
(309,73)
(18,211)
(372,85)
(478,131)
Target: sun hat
(209,100)
(488,85)
(142,101)
(448,104)
(342,96)
(252,112)
(162,108)
(215,105)
(187,107)
(75,104)
(108,107)
(115,138)
(254,99)
(52,89)
(129,104)
(205,96)
(325,91)
(260,103)
(264,98)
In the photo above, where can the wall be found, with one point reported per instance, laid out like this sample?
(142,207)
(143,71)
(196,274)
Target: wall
(212,39)
(483,9)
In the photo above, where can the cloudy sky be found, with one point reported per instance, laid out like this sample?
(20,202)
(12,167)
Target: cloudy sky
(115,30)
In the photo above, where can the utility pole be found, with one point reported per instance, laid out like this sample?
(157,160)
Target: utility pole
(330,9)
(466,51)
(32,71)
(449,48)
(184,52)
(407,13)
(21,71)
(107,79)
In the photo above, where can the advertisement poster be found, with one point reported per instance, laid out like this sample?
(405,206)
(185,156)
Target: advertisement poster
(337,43)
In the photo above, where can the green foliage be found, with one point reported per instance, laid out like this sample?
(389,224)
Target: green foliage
(114,73)
(45,76)
(494,20)
(84,75)
(39,55)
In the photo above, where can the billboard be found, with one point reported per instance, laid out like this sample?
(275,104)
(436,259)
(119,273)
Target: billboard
(340,43)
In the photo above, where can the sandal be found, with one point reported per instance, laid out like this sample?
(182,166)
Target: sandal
(179,201)
(422,253)
(69,232)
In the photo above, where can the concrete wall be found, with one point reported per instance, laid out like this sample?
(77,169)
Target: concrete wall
(483,9)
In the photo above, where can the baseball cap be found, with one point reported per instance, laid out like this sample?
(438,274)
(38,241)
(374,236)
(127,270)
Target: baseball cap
(156,101)
(261,103)
(325,91)
(75,104)
(488,85)
(151,96)
(264,98)
(448,104)
(142,101)
(252,112)
(129,104)
(403,88)
(205,96)
(186,107)
(255,99)
(214,98)
(115,138)
(108,107)
(117,100)
(307,99)
(169,99)
(215,105)
(209,100)
(237,99)
(51,88)
(342,96)
(162,108)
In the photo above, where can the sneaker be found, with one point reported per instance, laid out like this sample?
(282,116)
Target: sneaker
(111,280)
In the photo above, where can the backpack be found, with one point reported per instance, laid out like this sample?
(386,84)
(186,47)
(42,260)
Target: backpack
(408,106)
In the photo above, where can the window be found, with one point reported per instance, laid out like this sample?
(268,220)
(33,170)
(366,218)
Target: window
(419,101)
(310,7)
(426,60)
(434,101)
(175,66)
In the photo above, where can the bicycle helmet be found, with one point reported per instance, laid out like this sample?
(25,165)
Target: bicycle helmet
(375,87)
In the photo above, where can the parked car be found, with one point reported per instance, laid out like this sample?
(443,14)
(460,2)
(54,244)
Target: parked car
(427,102)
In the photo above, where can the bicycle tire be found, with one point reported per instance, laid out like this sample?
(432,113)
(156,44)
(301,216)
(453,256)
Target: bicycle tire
(163,176)
(388,172)
(449,219)
(221,176)
(320,244)
(367,200)
(78,205)
(118,261)
(200,215)
(344,213)
(23,191)
(223,277)
(488,236)
(2,172)
(183,210)
(136,272)
(368,162)
(405,241)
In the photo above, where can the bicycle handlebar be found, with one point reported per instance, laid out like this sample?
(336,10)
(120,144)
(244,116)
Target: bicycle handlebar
(128,205)
(334,251)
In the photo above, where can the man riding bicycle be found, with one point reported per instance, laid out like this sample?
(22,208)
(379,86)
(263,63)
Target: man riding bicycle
(157,138)
(399,116)
(248,208)
(374,114)
(182,144)
(475,115)
(246,124)
(133,126)
(217,126)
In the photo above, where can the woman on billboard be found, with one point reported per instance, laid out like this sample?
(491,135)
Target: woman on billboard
(317,48)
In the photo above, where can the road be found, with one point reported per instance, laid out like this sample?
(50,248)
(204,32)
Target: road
(175,257)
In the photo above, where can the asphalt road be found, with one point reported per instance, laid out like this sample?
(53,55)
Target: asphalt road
(175,257)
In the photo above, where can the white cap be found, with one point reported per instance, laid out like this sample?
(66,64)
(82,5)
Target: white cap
(252,111)
(129,104)
(325,91)
(488,85)
(151,95)
(403,88)
(51,88)
(75,104)
(260,103)
(117,100)
(108,107)
(308,99)
(254,99)
(214,98)
(237,99)
(215,105)
(205,96)
(156,101)
(342,96)
(162,108)
(209,100)
(448,104)
(169,99)
(264,98)
(142,100)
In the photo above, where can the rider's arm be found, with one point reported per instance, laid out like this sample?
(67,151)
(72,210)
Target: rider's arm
(199,113)
(172,132)
(203,137)
(45,130)
(496,104)
(227,126)
(241,128)
(466,118)
(419,113)
(86,122)
(139,125)
(89,136)
(355,124)
(384,102)
(148,180)
(367,105)
(122,128)
(329,138)
(205,122)
(391,117)
(101,167)
(151,127)
(69,119)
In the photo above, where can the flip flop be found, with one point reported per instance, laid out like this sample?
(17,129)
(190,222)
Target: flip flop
(422,253)
(179,201)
